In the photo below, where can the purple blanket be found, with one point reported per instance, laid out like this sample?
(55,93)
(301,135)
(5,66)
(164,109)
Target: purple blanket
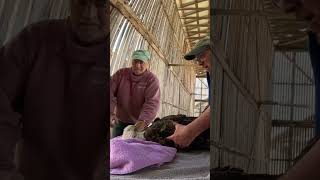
(130,155)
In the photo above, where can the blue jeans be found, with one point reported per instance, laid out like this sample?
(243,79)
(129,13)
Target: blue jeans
(314,49)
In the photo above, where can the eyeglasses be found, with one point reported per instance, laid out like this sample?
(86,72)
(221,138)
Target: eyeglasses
(199,57)
(138,61)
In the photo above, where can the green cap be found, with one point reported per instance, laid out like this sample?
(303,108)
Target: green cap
(142,55)
(202,45)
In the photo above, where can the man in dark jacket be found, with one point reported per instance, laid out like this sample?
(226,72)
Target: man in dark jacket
(308,167)
(53,103)
(185,134)
(309,10)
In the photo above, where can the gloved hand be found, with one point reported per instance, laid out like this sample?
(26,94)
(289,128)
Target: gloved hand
(140,126)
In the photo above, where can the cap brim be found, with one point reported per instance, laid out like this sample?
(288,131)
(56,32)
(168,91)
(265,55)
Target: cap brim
(144,60)
(189,57)
(139,58)
(192,54)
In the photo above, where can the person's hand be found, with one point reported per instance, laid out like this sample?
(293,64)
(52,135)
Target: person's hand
(113,120)
(182,136)
(140,126)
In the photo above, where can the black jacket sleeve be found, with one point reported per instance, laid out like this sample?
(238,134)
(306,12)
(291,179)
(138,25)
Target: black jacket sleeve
(13,64)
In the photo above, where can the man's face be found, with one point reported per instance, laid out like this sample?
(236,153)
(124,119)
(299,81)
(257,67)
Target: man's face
(308,10)
(139,67)
(204,59)
(89,20)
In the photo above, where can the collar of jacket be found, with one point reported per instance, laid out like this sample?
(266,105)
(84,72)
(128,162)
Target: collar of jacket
(77,53)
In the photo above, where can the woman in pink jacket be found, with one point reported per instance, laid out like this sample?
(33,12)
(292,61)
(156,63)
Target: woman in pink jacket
(134,94)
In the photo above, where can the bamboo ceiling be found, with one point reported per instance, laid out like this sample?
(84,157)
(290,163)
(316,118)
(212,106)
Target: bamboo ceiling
(194,15)
(287,32)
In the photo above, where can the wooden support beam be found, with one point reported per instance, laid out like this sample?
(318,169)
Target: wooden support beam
(196,38)
(284,26)
(227,149)
(194,41)
(299,68)
(198,18)
(287,17)
(201,31)
(181,64)
(191,33)
(291,48)
(192,28)
(282,32)
(196,26)
(194,20)
(276,24)
(186,22)
(295,84)
(191,3)
(286,20)
(201,100)
(244,12)
(279,159)
(192,12)
(274,103)
(299,40)
(288,123)
(194,8)
(288,38)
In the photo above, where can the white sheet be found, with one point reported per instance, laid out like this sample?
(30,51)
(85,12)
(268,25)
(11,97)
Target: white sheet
(191,165)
